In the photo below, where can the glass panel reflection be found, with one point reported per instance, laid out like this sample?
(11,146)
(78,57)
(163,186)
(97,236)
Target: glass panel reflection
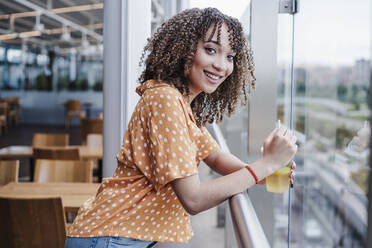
(331,111)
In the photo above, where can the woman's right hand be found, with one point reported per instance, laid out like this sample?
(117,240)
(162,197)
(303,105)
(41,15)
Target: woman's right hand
(280,147)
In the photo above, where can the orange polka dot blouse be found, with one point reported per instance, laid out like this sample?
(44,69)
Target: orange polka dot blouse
(162,143)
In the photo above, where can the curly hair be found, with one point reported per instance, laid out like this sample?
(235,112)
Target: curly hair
(170,54)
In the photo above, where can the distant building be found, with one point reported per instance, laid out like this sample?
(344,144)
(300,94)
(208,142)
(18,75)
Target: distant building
(300,74)
(321,75)
(344,75)
(361,72)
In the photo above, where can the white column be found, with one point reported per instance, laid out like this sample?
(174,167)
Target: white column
(262,104)
(127,25)
(73,64)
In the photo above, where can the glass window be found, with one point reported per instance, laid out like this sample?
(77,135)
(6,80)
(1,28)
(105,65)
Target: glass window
(42,59)
(330,112)
(2,53)
(14,55)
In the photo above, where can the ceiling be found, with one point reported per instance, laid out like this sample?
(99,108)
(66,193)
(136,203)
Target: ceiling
(62,23)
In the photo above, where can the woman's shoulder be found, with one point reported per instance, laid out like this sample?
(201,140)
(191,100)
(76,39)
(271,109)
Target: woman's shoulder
(160,90)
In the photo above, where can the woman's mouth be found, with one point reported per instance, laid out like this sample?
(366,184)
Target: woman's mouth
(212,77)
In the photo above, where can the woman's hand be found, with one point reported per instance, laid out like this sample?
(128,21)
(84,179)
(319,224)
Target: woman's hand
(280,147)
(291,176)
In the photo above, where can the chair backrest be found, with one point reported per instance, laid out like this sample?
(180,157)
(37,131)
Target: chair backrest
(32,223)
(9,171)
(56,153)
(73,105)
(50,139)
(63,171)
(13,103)
(89,126)
(3,108)
(94,139)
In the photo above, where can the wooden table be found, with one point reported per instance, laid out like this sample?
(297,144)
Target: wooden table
(18,152)
(85,153)
(73,194)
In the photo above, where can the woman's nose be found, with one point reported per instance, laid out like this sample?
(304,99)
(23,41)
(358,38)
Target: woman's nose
(219,64)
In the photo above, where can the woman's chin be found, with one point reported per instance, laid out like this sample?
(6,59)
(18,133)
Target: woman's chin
(210,90)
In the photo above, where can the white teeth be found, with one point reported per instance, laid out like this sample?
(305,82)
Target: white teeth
(212,76)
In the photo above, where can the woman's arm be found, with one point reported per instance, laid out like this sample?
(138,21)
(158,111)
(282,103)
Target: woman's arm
(196,197)
(223,163)
(279,149)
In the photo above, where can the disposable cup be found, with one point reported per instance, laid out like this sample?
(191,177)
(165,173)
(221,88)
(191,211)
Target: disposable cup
(279,181)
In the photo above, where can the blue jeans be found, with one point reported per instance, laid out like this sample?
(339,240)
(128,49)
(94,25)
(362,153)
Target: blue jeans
(107,242)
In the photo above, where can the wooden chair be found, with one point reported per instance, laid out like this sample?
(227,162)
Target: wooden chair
(63,153)
(73,110)
(63,171)
(3,116)
(32,223)
(88,126)
(9,171)
(94,139)
(50,139)
(13,110)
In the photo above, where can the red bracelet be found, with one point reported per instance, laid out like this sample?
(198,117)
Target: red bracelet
(252,172)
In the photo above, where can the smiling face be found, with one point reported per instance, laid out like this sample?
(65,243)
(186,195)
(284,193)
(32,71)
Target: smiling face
(213,63)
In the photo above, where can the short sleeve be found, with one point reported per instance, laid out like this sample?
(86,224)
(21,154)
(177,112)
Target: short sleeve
(173,152)
(206,144)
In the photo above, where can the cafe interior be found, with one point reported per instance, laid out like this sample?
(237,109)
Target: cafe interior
(68,73)
(51,116)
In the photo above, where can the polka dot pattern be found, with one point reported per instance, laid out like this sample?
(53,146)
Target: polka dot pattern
(162,143)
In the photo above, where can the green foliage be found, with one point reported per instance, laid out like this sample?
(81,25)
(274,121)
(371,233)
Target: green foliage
(98,86)
(321,147)
(343,136)
(43,83)
(300,123)
(72,86)
(65,84)
(300,88)
(62,83)
(83,84)
(361,177)
(341,92)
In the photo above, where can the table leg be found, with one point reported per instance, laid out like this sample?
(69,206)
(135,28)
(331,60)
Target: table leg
(32,169)
(100,170)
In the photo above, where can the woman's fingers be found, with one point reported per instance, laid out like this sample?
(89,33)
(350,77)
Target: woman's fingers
(283,131)
(293,139)
(278,131)
(271,135)
(263,181)
(292,175)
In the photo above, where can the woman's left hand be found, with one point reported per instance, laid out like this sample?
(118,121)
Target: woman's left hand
(291,176)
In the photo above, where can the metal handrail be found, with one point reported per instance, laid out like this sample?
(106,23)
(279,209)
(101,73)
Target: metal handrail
(247,227)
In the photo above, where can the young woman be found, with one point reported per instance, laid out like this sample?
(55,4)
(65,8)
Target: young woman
(198,68)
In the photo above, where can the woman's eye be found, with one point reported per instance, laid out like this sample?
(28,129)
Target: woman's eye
(230,57)
(210,50)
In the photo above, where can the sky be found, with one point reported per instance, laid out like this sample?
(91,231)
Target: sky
(331,32)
